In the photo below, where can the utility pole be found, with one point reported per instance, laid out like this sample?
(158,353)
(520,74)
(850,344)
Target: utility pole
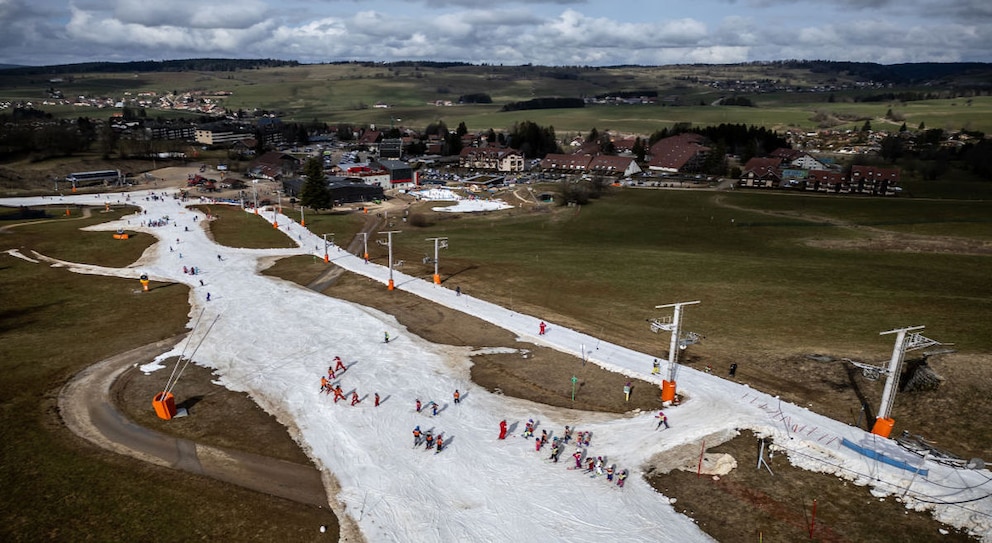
(389,243)
(439,243)
(677,343)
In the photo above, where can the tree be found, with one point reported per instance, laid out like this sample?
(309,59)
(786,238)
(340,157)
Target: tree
(639,149)
(315,193)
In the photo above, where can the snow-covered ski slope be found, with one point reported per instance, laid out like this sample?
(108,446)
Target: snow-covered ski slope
(274,340)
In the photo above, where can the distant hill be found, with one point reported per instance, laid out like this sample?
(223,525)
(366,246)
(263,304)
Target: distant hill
(897,74)
(199,64)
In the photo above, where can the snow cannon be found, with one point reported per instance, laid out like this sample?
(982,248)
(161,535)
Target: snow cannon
(165,405)
(883,426)
(121,234)
(144,282)
(667,390)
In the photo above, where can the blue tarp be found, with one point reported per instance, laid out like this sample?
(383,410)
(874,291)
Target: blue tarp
(870,453)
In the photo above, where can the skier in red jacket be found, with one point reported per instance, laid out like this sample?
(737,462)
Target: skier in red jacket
(502,429)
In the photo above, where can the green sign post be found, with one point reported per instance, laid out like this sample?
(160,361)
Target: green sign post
(574,380)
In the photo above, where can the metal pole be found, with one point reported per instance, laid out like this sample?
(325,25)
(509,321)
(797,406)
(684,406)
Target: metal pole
(389,243)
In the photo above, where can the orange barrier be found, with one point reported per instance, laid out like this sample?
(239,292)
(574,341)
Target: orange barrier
(667,391)
(883,426)
(165,405)
(122,236)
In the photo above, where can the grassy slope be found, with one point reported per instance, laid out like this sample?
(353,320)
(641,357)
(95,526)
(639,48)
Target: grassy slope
(609,264)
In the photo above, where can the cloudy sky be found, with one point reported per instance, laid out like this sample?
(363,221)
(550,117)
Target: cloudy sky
(549,32)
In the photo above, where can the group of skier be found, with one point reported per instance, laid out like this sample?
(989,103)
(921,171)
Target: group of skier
(327,386)
(431,443)
(594,466)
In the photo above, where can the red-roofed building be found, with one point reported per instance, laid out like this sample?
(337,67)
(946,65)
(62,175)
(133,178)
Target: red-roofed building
(826,181)
(875,181)
(491,157)
(762,172)
(622,166)
(678,154)
(566,163)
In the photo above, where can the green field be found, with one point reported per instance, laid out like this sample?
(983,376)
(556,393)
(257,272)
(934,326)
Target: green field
(336,93)
(607,265)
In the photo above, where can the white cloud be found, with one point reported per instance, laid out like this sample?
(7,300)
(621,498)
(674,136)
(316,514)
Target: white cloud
(593,32)
(223,14)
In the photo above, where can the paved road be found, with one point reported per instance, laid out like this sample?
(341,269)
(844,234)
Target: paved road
(86,407)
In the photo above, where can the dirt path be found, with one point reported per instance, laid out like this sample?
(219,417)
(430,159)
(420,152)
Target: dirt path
(86,408)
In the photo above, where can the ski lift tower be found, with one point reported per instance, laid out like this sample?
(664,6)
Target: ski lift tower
(439,243)
(907,339)
(389,243)
(678,343)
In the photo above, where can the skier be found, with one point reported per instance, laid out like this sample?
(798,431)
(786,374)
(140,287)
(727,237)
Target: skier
(537,445)
(377,399)
(430,440)
(416,436)
(418,405)
(655,367)
(590,464)
(733,369)
(621,477)
(577,455)
(433,409)
(586,438)
(338,364)
(458,291)
(354,398)
(662,419)
(543,328)
(458,397)
(208,296)
(386,337)
(324,385)
(578,439)
(554,453)
(599,465)
(529,428)
(502,429)
(338,394)
(440,444)
(626,392)
(544,437)
(330,373)
(609,472)
(568,435)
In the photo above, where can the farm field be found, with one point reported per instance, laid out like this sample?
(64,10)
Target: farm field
(346,93)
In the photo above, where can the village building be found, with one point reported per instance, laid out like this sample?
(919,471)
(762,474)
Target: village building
(683,153)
